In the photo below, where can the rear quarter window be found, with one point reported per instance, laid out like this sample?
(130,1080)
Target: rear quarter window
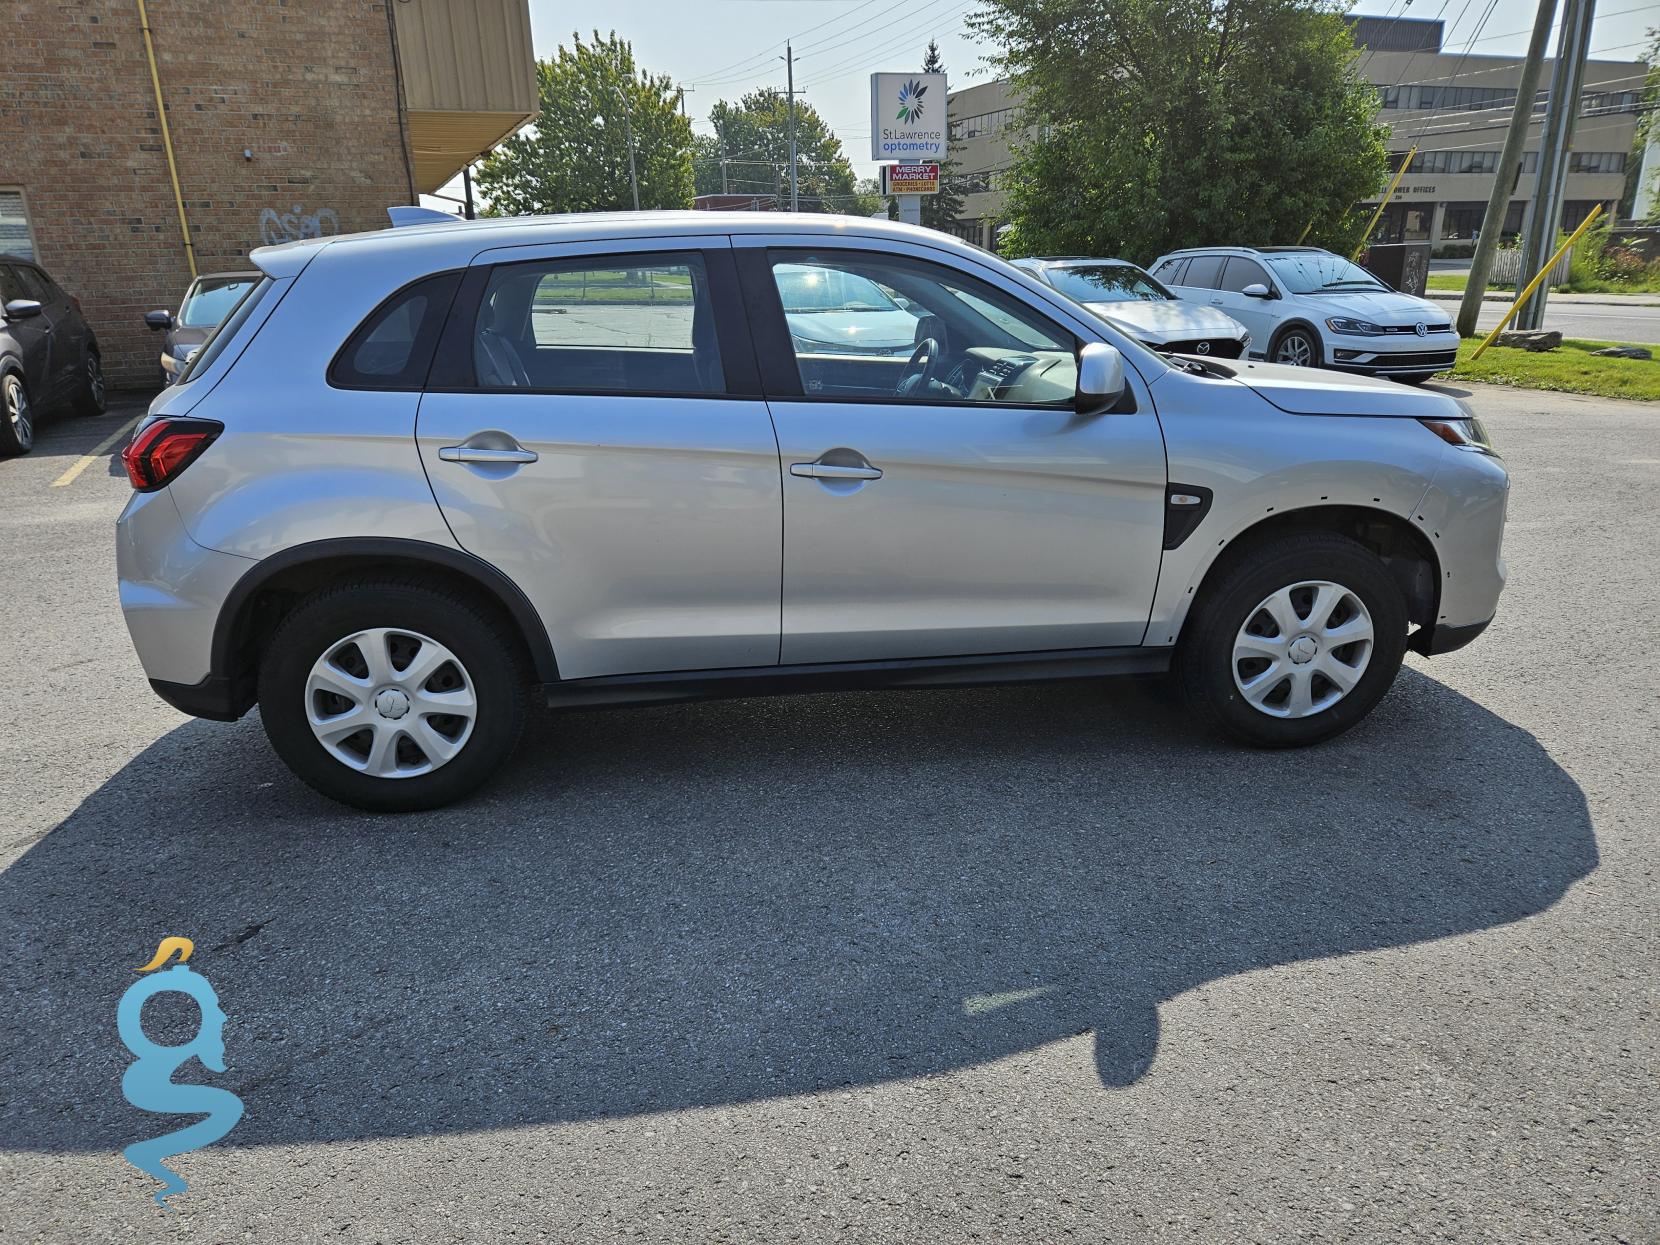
(392,348)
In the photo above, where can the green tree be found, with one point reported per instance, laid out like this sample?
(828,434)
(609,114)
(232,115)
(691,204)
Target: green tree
(753,138)
(576,157)
(1165,123)
(940,211)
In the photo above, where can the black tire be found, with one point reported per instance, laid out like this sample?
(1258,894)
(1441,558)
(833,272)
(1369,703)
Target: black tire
(485,645)
(91,399)
(17,429)
(1204,658)
(1311,342)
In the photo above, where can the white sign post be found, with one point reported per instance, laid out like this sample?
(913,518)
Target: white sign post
(907,126)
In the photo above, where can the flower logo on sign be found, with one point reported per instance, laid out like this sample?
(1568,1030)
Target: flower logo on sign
(910,100)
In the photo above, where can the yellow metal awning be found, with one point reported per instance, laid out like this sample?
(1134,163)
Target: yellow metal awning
(442,142)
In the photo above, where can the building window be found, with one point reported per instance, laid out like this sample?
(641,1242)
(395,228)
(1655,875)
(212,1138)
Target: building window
(981,124)
(1597,162)
(14,225)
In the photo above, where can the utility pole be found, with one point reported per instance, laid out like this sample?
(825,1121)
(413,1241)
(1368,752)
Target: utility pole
(1509,171)
(1555,151)
(683,91)
(467,189)
(725,180)
(628,127)
(789,72)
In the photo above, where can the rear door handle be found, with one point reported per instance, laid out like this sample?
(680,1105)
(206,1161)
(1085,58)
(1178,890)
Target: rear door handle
(477,454)
(825,471)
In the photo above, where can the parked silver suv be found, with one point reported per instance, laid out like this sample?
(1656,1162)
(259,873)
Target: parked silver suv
(419,474)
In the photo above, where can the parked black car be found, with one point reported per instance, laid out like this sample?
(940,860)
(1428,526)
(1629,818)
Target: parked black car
(48,355)
(209,300)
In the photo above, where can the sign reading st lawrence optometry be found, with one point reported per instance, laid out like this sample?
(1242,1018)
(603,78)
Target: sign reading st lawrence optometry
(907,117)
(910,179)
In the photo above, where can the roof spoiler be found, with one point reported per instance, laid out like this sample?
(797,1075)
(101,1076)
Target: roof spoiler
(402,216)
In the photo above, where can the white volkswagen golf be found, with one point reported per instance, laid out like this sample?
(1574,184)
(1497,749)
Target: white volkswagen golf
(1309,308)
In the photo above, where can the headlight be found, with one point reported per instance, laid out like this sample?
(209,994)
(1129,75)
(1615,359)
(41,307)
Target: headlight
(1466,434)
(1244,342)
(1359,328)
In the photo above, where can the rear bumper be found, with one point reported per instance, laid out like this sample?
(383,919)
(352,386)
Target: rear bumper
(217,699)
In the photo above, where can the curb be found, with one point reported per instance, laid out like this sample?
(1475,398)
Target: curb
(1572,300)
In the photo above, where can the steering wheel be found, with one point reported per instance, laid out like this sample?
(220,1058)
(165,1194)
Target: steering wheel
(920,368)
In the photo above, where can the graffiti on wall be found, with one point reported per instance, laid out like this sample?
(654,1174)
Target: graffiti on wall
(275,226)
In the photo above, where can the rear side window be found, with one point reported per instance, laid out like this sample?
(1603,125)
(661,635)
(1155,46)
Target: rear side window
(1203,271)
(392,349)
(1170,271)
(638,323)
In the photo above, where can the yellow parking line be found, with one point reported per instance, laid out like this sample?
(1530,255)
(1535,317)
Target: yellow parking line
(102,448)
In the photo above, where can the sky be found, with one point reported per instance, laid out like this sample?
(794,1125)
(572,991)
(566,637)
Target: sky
(720,49)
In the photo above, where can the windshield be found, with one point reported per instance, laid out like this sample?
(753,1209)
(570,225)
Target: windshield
(249,298)
(806,288)
(1315,272)
(1108,283)
(211,299)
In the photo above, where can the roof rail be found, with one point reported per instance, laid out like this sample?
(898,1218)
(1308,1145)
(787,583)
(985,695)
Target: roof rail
(402,216)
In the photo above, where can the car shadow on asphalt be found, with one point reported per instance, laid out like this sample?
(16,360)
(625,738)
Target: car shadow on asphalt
(705,904)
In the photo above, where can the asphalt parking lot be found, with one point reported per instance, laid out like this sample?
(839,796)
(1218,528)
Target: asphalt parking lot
(1025,964)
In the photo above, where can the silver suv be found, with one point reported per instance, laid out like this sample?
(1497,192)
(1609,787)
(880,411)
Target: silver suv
(419,475)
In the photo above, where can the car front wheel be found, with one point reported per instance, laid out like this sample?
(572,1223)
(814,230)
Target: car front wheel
(392,696)
(17,423)
(1297,347)
(1298,641)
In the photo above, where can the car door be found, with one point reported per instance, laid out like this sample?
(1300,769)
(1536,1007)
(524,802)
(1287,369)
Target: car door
(1256,314)
(33,334)
(593,427)
(969,511)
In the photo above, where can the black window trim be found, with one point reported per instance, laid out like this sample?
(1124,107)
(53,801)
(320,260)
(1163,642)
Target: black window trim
(453,368)
(417,348)
(780,375)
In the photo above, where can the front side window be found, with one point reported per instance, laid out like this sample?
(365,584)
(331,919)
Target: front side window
(1108,283)
(1315,272)
(1242,272)
(943,337)
(612,324)
(211,299)
(32,284)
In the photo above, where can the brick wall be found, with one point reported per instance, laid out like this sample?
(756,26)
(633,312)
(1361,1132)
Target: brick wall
(307,86)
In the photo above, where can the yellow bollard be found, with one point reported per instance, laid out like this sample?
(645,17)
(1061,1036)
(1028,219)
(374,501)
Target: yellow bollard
(1387,195)
(1534,284)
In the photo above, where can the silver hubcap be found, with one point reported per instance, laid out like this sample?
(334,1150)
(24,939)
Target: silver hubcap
(391,703)
(95,379)
(1302,649)
(17,411)
(1296,351)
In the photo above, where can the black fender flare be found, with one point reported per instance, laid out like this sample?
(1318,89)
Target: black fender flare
(378,551)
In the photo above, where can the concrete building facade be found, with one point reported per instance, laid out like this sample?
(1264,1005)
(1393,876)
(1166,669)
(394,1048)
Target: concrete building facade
(287,120)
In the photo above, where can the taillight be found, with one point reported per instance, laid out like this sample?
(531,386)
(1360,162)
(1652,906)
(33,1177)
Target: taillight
(155,457)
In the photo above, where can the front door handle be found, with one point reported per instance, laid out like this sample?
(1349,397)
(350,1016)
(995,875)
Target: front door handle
(478,454)
(827,471)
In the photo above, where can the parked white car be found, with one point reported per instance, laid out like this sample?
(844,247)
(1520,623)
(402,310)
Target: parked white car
(1310,308)
(1125,296)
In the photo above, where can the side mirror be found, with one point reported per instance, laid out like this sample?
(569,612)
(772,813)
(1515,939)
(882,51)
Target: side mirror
(159,321)
(1100,377)
(1256,290)
(22,308)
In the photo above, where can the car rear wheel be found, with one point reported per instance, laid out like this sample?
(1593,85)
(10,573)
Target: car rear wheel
(1296,643)
(392,696)
(91,400)
(1298,347)
(17,422)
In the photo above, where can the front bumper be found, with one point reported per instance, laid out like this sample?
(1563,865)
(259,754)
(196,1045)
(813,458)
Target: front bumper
(1462,515)
(1392,356)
